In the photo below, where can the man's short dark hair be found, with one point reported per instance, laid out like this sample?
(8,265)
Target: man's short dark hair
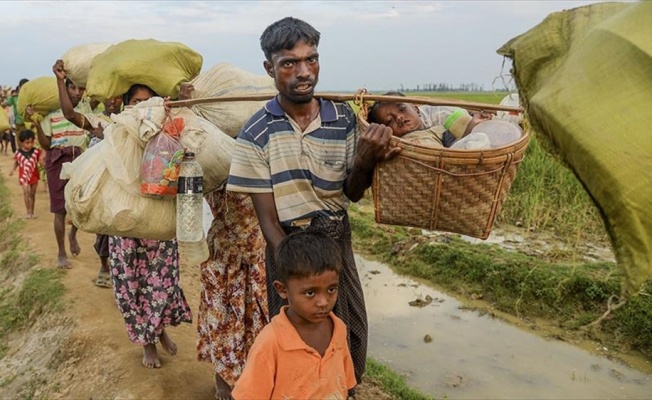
(284,34)
(26,135)
(303,254)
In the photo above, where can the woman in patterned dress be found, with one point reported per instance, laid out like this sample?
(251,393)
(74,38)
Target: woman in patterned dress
(145,276)
(233,300)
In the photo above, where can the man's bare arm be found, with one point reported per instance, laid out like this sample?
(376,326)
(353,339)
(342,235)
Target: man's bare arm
(373,147)
(265,207)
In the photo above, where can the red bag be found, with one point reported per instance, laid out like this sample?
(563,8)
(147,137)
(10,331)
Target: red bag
(159,168)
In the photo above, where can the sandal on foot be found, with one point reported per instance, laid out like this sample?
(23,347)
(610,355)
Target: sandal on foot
(103,280)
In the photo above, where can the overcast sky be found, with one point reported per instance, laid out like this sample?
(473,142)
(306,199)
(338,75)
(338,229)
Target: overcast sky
(379,45)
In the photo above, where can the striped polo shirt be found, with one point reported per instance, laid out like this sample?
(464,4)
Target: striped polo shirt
(63,132)
(304,170)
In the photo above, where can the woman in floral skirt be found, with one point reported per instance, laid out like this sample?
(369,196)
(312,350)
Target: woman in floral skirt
(233,300)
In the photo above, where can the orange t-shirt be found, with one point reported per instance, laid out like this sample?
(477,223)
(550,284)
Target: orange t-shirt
(280,365)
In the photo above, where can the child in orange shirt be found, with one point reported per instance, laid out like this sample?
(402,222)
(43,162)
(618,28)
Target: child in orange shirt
(303,353)
(26,160)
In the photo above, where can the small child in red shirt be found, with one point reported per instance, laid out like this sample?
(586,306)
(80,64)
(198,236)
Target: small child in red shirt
(26,161)
(303,353)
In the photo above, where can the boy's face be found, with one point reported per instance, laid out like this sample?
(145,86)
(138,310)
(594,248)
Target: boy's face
(113,106)
(295,72)
(401,117)
(75,93)
(27,145)
(311,298)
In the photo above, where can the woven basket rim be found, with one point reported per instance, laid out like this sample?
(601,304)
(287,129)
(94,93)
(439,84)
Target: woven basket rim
(418,150)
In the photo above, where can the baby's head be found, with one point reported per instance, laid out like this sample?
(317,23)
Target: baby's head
(401,117)
(308,265)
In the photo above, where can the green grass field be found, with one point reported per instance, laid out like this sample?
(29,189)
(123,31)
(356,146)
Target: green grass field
(480,97)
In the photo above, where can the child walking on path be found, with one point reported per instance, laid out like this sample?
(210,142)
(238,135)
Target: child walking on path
(303,353)
(26,160)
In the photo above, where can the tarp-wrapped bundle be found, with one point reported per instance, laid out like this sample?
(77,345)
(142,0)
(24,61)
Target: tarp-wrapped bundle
(227,80)
(584,76)
(212,147)
(103,194)
(41,93)
(77,61)
(162,66)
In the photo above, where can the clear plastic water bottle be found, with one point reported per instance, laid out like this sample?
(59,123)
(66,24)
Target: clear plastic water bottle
(189,200)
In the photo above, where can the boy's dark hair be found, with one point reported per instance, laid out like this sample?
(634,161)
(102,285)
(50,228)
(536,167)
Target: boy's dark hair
(133,89)
(371,115)
(284,34)
(303,254)
(22,82)
(26,135)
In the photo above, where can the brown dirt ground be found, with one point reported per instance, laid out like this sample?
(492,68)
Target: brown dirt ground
(85,353)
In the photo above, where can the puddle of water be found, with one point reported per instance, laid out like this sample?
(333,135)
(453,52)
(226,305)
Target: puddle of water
(537,243)
(478,357)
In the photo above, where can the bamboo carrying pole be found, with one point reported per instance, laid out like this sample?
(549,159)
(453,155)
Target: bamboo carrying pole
(469,105)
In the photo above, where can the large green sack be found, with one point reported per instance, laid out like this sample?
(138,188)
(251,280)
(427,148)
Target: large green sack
(77,61)
(585,77)
(41,93)
(162,66)
(4,121)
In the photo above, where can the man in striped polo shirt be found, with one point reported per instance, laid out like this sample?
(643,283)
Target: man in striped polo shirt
(63,141)
(303,160)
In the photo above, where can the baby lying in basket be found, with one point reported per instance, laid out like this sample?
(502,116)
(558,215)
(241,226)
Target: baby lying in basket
(442,126)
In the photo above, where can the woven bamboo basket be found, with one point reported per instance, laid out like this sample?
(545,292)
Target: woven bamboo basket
(460,191)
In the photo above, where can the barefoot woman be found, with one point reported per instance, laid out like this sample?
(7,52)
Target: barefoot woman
(145,277)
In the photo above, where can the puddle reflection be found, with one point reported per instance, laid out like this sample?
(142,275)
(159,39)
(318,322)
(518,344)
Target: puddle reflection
(472,356)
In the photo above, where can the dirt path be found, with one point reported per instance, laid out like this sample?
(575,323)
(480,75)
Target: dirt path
(95,359)
(98,360)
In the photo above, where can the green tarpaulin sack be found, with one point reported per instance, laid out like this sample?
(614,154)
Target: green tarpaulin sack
(4,121)
(585,77)
(41,93)
(162,66)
